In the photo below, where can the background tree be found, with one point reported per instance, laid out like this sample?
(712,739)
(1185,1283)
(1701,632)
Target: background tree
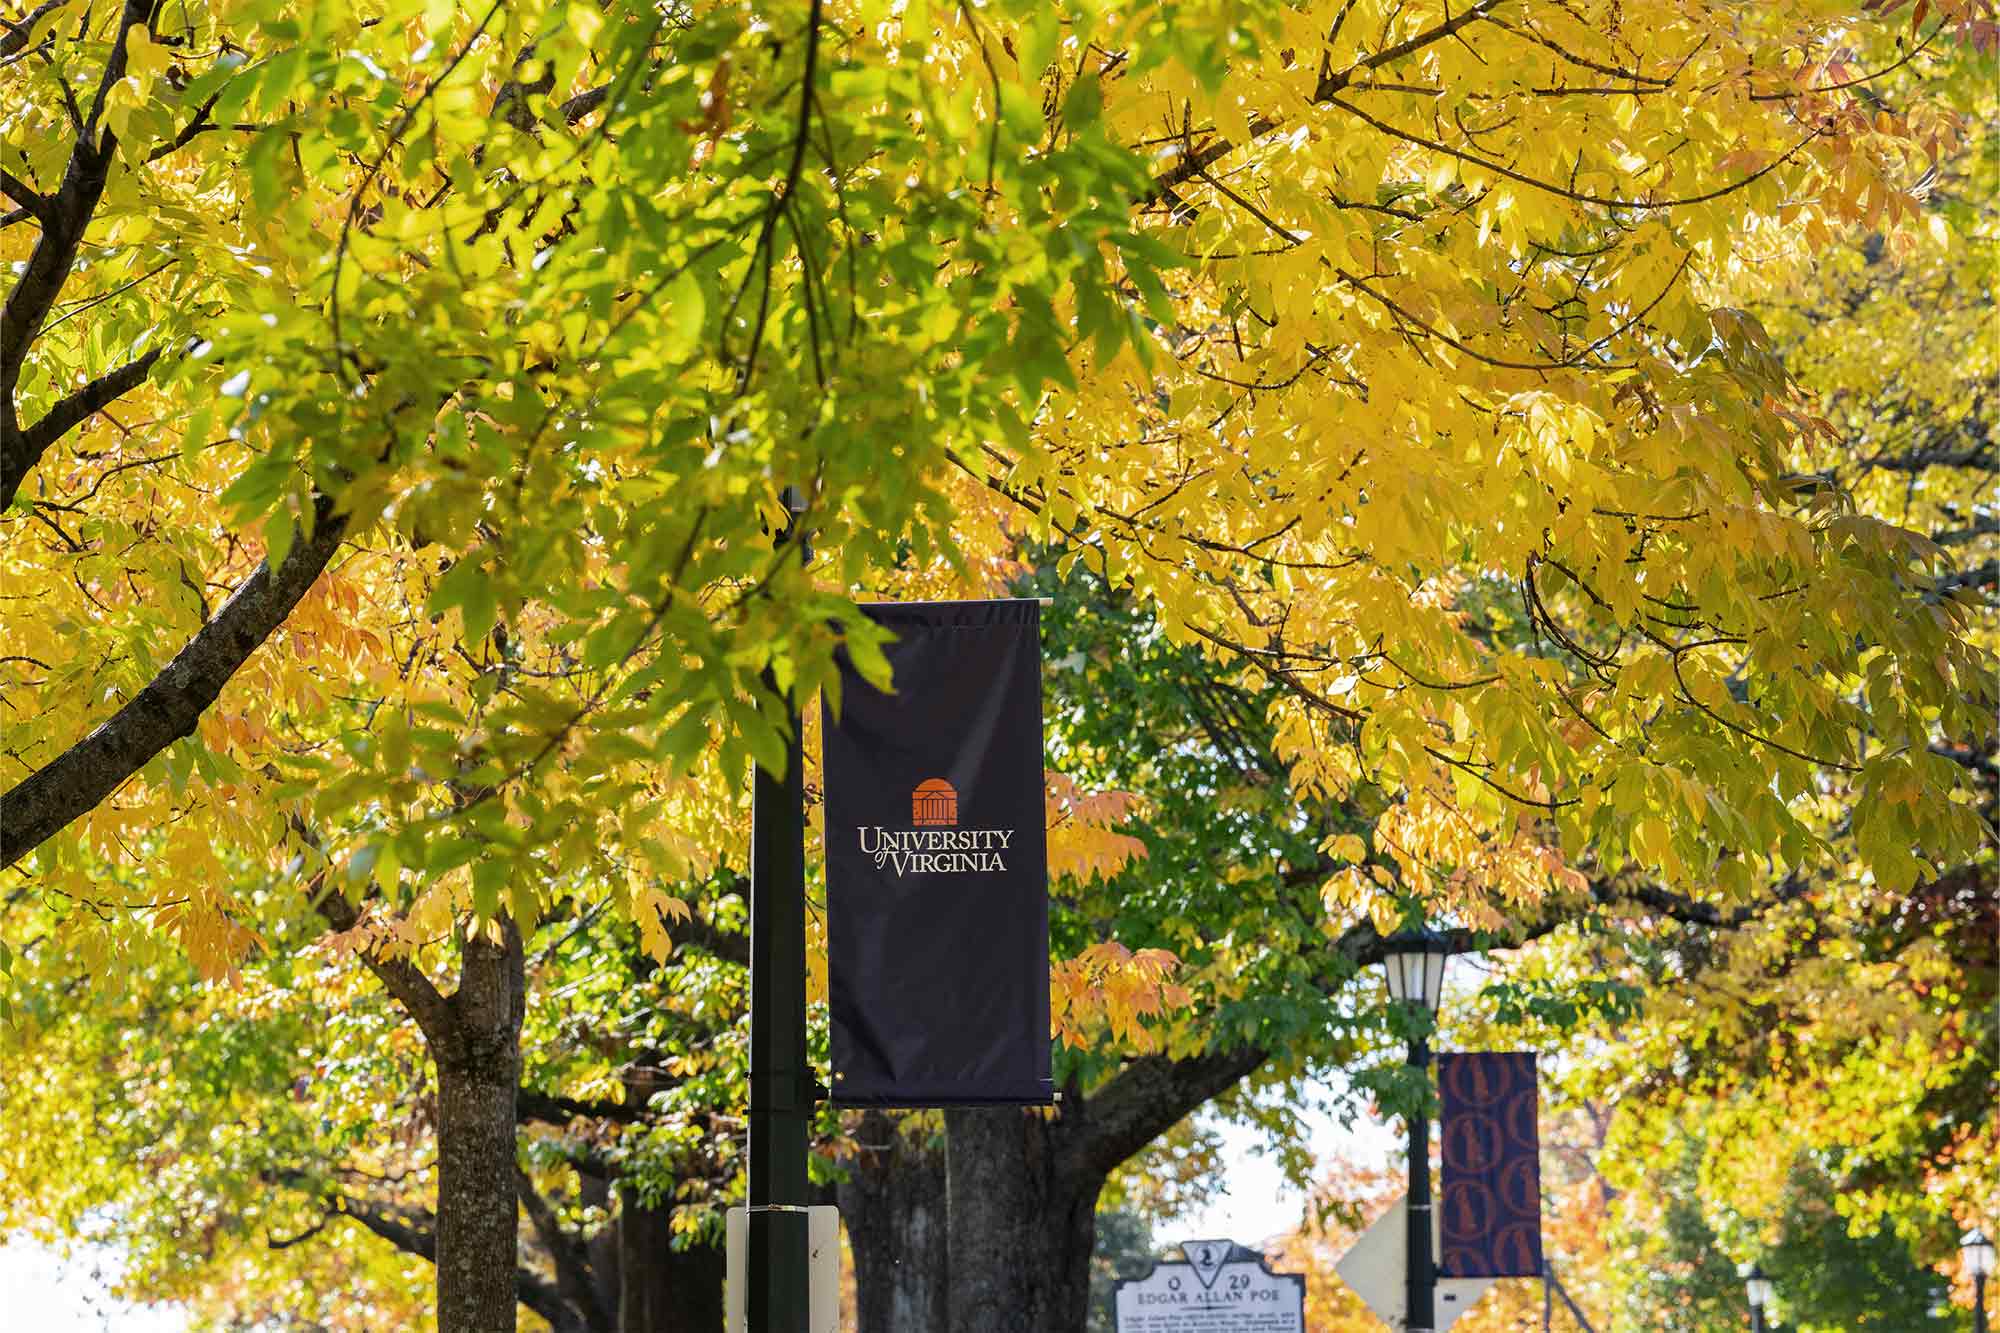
(285,1118)
(1825,1276)
(1840,1127)
(1125,1248)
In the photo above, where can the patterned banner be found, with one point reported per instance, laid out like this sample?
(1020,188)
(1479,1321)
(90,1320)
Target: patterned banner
(1490,1219)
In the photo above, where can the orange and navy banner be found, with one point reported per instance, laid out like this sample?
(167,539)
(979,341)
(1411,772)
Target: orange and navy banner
(937,864)
(1490,1212)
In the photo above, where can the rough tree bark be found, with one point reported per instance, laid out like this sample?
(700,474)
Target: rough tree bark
(479,1066)
(1023,1221)
(893,1204)
(474,1038)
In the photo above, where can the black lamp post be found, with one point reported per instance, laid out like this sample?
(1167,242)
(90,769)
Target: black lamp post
(1978,1253)
(782,1088)
(1757,1288)
(1415,962)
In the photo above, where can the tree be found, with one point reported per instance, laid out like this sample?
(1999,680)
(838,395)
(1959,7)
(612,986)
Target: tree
(161,83)
(528,315)
(1125,1248)
(1883,1095)
(263,1147)
(300,1122)
(1825,1276)
(378,160)
(1266,987)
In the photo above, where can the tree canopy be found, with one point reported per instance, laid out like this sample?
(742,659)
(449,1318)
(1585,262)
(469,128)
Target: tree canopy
(1542,444)
(515,321)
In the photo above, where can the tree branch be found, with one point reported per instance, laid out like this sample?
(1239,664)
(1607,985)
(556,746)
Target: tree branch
(403,979)
(20,29)
(1983,525)
(22,193)
(64,216)
(286,1243)
(554,1110)
(408,1229)
(414,1231)
(1979,576)
(571,1256)
(171,704)
(92,398)
(1694,912)
(1193,163)
(1150,1095)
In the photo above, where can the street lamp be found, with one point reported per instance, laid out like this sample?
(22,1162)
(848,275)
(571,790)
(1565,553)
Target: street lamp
(1758,1288)
(1415,962)
(1978,1252)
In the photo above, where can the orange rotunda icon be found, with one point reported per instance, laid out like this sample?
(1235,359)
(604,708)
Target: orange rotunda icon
(934,802)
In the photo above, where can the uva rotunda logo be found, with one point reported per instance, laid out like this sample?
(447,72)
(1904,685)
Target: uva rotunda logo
(934,804)
(936,844)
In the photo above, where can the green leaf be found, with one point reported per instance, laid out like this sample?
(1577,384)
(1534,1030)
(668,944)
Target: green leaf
(489,877)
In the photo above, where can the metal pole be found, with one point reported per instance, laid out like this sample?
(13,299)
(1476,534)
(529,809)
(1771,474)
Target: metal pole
(781,1084)
(1979,1303)
(1422,1276)
(1756,1319)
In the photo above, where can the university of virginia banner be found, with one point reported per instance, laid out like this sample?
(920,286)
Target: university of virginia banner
(937,864)
(1490,1216)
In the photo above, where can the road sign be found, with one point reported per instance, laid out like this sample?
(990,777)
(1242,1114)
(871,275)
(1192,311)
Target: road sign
(1375,1266)
(1218,1287)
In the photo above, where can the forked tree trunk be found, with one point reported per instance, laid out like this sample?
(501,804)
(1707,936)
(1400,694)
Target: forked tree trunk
(893,1204)
(478,1059)
(1023,1187)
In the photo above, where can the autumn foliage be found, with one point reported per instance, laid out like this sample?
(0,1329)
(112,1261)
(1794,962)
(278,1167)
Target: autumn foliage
(1556,433)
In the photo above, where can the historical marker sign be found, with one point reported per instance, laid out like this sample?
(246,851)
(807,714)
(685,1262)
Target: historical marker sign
(1218,1287)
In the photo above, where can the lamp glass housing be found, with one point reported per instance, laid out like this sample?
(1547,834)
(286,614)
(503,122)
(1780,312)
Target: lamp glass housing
(1758,1288)
(1978,1252)
(1416,969)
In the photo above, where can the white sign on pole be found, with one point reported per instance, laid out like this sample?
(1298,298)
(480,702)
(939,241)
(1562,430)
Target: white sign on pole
(1218,1287)
(822,1269)
(1378,1262)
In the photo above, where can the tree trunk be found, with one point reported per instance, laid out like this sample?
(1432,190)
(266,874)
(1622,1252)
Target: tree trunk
(893,1203)
(602,1252)
(1023,1221)
(479,1067)
(1023,1187)
(661,1289)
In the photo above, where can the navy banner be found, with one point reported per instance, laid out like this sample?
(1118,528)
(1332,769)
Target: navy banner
(937,864)
(1490,1215)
